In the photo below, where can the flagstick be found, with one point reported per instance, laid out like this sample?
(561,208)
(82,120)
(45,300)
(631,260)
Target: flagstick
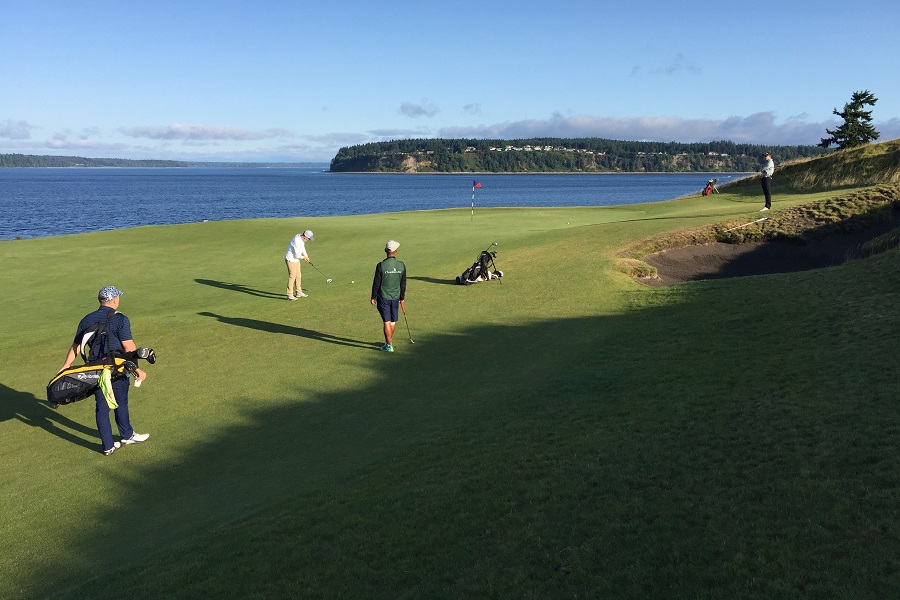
(475,184)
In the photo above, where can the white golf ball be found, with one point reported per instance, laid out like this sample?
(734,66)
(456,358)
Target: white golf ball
(352,282)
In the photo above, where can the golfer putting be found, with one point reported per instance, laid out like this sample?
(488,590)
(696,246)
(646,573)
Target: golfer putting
(389,292)
(295,253)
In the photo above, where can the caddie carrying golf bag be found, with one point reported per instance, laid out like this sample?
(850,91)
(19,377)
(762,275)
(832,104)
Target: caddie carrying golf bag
(711,187)
(78,382)
(483,269)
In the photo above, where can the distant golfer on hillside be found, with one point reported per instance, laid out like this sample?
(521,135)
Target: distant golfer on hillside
(389,291)
(296,251)
(767,171)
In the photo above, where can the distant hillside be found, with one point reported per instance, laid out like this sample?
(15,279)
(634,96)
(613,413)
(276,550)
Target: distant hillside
(558,155)
(866,165)
(30,160)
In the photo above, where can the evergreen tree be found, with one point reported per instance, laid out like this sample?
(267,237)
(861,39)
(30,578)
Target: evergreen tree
(857,129)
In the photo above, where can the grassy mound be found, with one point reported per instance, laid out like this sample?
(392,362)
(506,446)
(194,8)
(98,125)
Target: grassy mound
(802,223)
(801,217)
(563,433)
(855,167)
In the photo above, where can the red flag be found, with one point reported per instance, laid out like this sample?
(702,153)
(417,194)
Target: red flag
(475,184)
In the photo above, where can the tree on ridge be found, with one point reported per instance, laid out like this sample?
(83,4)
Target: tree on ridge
(857,129)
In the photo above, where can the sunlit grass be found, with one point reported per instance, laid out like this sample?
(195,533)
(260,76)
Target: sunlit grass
(563,433)
(855,167)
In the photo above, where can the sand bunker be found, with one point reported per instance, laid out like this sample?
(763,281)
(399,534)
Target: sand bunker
(718,260)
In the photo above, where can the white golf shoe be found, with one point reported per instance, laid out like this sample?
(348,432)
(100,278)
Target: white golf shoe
(136,438)
(116,446)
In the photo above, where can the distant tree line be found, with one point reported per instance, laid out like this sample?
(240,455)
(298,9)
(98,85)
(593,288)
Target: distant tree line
(558,155)
(31,160)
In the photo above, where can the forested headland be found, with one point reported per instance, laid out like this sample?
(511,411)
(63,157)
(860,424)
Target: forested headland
(558,155)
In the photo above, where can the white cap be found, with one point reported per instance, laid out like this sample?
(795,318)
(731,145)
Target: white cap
(391,246)
(308,234)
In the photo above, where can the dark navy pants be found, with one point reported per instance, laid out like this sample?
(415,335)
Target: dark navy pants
(104,426)
(767,190)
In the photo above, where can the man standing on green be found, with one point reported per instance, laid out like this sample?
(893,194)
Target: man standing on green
(389,291)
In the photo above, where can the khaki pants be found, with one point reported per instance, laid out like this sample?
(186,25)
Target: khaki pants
(293,277)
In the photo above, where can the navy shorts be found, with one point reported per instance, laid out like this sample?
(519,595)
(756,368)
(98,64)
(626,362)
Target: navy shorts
(388,309)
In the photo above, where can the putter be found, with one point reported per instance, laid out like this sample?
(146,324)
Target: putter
(327,279)
(407,325)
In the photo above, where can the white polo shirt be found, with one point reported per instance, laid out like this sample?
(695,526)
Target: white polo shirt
(296,250)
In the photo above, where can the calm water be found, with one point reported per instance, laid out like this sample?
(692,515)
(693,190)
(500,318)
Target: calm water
(47,202)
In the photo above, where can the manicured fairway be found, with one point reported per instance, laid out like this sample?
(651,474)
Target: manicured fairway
(565,433)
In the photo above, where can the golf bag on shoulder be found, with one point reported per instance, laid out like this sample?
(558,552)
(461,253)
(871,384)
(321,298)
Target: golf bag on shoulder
(483,269)
(78,382)
(711,187)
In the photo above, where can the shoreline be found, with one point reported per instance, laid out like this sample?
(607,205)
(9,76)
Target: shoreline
(483,173)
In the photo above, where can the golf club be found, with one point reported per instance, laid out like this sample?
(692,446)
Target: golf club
(745,224)
(327,279)
(407,325)
(493,254)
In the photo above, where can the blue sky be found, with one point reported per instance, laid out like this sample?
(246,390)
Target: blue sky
(295,81)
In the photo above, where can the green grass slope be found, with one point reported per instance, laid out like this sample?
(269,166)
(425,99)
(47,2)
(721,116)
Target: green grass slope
(866,165)
(565,433)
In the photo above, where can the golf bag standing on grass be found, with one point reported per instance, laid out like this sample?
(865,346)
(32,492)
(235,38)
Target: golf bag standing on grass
(711,187)
(483,269)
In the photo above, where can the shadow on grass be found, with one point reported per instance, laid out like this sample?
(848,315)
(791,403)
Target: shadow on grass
(237,287)
(435,280)
(37,413)
(573,458)
(290,330)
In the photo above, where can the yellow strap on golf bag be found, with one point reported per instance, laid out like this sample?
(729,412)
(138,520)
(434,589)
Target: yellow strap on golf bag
(107,389)
(76,383)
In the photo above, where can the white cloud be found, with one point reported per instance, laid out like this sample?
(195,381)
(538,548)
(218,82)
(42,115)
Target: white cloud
(110,149)
(387,134)
(889,130)
(280,144)
(473,109)
(678,65)
(338,139)
(414,111)
(759,128)
(15,130)
(177,131)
